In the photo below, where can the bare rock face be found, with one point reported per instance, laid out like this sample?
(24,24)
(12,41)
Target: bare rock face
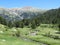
(12,14)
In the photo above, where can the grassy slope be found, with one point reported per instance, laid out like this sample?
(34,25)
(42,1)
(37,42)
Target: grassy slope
(13,40)
(46,39)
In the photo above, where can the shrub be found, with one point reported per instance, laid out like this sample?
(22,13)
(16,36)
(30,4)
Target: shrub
(56,37)
(18,33)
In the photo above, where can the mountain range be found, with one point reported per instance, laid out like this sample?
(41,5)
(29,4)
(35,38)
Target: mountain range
(12,14)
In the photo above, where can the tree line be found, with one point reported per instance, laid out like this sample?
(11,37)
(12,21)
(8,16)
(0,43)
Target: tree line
(33,23)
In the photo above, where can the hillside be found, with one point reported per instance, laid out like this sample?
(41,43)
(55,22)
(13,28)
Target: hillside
(51,16)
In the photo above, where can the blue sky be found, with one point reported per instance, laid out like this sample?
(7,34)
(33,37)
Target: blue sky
(45,4)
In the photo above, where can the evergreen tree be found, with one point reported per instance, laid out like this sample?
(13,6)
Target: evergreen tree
(17,23)
(37,21)
(59,27)
(3,21)
(26,22)
(10,24)
(33,25)
(21,24)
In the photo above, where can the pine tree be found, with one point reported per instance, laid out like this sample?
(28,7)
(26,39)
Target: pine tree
(21,24)
(33,25)
(10,24)
(17,23)
(26,22)
(37,21)
(59,27)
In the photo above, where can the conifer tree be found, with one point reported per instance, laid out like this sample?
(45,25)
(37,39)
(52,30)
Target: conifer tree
(33,25)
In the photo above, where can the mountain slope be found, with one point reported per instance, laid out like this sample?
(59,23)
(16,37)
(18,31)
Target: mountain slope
(13,14)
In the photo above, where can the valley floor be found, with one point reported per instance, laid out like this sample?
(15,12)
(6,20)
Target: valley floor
(45,34)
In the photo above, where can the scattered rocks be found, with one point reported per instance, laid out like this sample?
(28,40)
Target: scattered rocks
(25,39)
(1,32)
(15,30)
(3,40)
(32,33)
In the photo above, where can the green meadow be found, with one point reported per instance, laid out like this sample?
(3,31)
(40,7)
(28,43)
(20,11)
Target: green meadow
(45,34)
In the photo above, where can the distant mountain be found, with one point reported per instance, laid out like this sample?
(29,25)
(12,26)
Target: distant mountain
(12,14)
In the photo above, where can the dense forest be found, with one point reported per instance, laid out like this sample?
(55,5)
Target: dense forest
(51,16)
